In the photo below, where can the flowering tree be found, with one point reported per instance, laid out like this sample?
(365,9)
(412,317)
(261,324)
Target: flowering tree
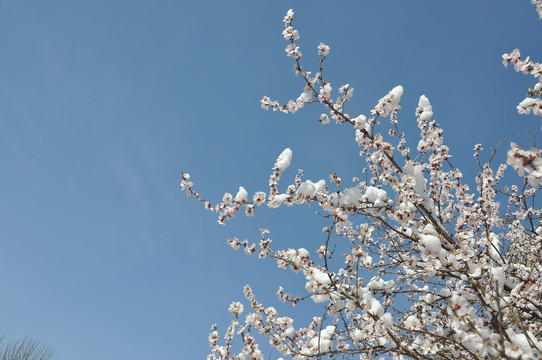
(432,270)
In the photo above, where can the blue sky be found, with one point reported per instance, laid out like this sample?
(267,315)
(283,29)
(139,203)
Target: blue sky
(103,103)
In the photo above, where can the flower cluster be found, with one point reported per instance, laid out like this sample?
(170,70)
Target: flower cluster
(527,162)
(431,270)
(527,67)
(538,4)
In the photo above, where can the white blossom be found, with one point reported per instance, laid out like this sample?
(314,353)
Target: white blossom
(323,49)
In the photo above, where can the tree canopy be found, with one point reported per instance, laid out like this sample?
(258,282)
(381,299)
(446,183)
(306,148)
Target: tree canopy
(412,263)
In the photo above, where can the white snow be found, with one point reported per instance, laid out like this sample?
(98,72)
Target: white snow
(302,252)
(350,197)
(419,181)
(283,161)
(277,200)
(527,102)
(319,276)
(425,109)
(386,105)
(308,188)
(377,283)
(320,298)
(498,276)
(357,335)
(412,322)
(374,306)
(432,244)
(376,196)
(242,195)
(324,339)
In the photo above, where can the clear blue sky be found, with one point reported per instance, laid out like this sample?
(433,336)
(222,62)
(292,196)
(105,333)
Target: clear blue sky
(103,103)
